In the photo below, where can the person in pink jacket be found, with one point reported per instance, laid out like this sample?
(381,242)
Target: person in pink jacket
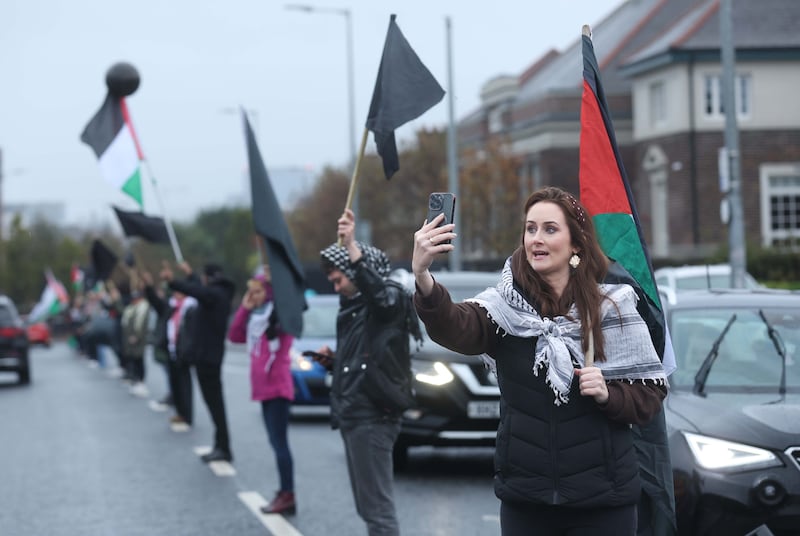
(256,324)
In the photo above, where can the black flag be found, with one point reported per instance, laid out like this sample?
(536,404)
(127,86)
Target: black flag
(404,90)
(103,260)
(288,278)
(150,228)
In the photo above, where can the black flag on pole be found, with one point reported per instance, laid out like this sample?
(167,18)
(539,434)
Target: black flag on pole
(150,228)
(404,90)
(103,260)
(288,277)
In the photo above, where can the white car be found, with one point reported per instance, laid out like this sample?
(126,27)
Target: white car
(674,279)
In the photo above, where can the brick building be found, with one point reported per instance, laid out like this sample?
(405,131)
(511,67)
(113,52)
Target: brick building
(660,66)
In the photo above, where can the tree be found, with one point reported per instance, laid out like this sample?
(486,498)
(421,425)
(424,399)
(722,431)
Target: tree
(312,223)
(392,210)
(491,221)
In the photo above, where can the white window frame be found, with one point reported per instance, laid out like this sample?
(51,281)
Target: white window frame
(712,96)
(779,180)
(496,120)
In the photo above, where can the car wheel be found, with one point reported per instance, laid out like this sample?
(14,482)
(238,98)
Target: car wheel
(400,456)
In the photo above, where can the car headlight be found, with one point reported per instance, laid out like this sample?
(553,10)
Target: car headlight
(721,455)
(433,373)
(300,362)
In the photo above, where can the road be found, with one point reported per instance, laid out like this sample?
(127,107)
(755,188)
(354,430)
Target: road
(79,455)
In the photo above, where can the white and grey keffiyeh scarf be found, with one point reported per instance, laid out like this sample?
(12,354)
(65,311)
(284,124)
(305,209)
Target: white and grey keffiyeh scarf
(371,255)
(629,351)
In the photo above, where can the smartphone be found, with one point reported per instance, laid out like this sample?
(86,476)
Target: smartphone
(316,356)
(442,203)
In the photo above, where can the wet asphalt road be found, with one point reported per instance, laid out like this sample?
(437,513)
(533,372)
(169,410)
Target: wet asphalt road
(81,456)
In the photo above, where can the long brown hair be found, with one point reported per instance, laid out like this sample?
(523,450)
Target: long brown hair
(582,287)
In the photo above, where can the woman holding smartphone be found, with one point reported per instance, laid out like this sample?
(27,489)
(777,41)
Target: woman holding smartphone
(575,365)
(256,324)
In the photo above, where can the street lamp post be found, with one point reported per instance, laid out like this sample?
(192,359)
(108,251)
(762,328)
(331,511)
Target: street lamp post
(351,100)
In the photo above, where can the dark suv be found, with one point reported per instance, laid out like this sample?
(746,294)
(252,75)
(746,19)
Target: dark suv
(458,400)
(13,341)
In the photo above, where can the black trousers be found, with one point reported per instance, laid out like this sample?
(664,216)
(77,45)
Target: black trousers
(180,385)
(209,376)
(543,520)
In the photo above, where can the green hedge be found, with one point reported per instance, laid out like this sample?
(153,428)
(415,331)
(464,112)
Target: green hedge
(772,267)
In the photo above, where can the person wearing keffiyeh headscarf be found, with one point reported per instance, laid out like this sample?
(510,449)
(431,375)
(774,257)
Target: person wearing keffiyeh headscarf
(370,329)
(565,456)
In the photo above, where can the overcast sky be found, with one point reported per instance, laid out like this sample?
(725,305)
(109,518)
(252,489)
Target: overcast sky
(200,60)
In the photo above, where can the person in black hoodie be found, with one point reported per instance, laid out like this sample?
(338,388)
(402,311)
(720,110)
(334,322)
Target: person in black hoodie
(214,295)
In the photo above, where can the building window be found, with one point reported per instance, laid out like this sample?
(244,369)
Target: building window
(658,104)
(780,204)
(713,106)
(496,119)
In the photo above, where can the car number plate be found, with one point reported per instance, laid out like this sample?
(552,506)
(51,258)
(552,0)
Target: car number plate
(483,409)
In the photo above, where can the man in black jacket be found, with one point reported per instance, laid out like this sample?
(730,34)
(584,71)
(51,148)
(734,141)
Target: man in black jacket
(214,297)
(370,328)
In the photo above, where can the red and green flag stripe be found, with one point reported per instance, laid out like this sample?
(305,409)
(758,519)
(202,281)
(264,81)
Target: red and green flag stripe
(605,191)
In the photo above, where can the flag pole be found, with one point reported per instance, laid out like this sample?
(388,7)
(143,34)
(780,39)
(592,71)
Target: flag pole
(173,240)
(354,179)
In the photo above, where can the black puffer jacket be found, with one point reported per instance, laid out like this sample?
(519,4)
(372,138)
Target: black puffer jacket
(372,322)
(570,454)
(211,316)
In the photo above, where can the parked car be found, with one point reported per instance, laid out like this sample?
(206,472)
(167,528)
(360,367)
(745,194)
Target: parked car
(457,397)
(672,280)
(38,333)
(13,342)
(733,412)
(311,380)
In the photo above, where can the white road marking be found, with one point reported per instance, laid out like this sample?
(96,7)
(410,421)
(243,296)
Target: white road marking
(201,451)
(222,468)
(491,518)
(155,405)
(219,468)
(275,523)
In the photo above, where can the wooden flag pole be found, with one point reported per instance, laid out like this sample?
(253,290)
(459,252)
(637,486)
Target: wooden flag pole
(262,254)
(589,357)
(354,180)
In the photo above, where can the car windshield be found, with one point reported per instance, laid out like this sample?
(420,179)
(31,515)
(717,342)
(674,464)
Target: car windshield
(747,358)
(319,320)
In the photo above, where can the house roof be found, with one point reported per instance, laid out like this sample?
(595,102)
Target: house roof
(757,26)
(613,37)
(643,34)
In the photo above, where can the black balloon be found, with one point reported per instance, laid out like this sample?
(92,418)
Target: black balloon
(122,79)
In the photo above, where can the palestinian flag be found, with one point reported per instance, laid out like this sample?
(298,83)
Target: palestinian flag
(53,300)
(76,277)
(606,194)
(111,136)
